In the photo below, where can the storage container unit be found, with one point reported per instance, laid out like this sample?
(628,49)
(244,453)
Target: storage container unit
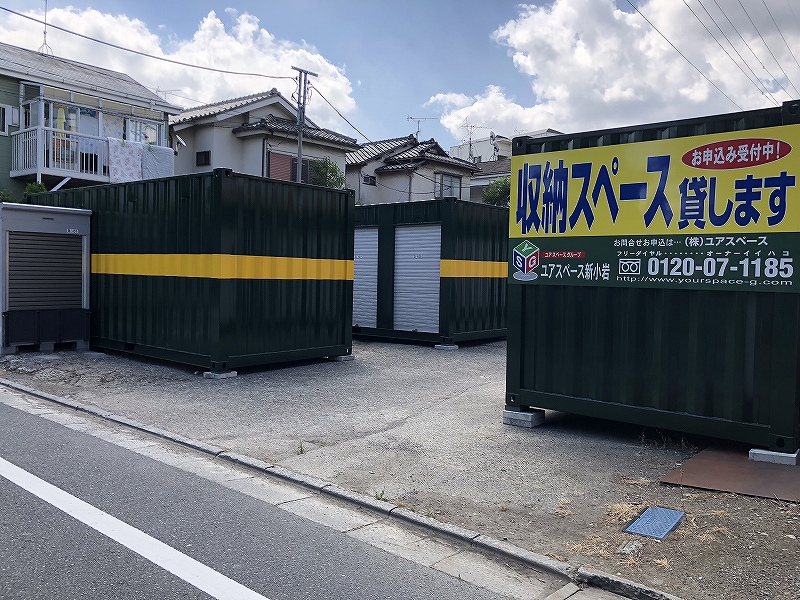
(430,271)
(45,284)
(219,270)
(652,276)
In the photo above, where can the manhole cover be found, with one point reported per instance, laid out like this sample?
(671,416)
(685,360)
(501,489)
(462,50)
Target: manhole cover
(655,522)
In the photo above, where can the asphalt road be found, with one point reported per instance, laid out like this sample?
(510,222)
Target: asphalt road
(227,538)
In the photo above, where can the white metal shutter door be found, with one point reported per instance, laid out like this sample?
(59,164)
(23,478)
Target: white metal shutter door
(365,277)
(45,271)
(417,254)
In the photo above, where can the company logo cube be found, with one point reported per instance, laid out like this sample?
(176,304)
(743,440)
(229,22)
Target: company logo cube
(526,257)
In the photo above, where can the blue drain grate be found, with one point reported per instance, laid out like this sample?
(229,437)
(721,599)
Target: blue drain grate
(656,522)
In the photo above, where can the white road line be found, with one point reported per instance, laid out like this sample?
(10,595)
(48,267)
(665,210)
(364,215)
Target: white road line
(193,572)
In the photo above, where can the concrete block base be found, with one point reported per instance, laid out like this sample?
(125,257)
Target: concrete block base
(343,358)
(530,419)
(219,374)
(446,346)
(778,458)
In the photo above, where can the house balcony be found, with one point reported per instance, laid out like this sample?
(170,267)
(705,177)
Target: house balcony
(52,155)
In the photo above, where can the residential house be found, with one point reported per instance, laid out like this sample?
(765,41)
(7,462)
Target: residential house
(494,165)
(59,120)
(405,169)
(494,147)
(490,172)
(252,135)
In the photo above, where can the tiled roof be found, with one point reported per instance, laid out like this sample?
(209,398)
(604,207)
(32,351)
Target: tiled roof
(373,150)
(501,166)
(431,150)
(216,108)
(272,123)
(409,154)
(52,70)
(406,166)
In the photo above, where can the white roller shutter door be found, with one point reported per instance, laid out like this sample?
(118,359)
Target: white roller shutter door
(416,277)
(365,277)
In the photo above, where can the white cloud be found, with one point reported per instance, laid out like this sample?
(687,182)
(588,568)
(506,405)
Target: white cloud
(242,46)
(591,65)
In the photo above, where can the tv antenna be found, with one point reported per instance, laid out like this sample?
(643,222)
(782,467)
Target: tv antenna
(419,120)
(470,130)
(44,48)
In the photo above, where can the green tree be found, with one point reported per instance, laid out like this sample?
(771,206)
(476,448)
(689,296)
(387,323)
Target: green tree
(327,173)
(498,193)
(35,188)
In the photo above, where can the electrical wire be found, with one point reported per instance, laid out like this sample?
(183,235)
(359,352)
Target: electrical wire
(725,50)
(161,58)
(760,86)
(770,52)
(781,33)
(684,57)
(741,37)
(792,11)
(744,62)
(339,113)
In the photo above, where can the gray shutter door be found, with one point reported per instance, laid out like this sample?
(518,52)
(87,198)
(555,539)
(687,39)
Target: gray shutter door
(418,250)
(365,277)
(45,270)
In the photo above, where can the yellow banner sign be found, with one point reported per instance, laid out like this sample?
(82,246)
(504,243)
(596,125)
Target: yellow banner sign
(742,182)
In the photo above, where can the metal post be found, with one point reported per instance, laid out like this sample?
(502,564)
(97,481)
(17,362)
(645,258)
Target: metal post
(302,90)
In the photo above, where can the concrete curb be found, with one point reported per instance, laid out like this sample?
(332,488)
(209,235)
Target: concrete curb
(618,585)
(581,575)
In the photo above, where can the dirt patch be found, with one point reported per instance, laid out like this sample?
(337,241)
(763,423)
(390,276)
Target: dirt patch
(422,428)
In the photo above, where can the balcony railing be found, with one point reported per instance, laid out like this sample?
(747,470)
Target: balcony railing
(48,151)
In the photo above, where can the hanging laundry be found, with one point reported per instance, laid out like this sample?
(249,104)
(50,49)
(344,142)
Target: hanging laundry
(124,160)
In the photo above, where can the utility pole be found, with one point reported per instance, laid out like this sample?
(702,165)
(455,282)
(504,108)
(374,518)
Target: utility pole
(302,94)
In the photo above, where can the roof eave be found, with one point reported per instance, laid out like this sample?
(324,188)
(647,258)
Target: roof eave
(140,101)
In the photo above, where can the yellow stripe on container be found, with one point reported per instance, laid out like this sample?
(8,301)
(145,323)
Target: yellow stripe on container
(222,266)
(473,268)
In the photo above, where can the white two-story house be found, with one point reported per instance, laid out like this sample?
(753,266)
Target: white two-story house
(59,120)
(252,135)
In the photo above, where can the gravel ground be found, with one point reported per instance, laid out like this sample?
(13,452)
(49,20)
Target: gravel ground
(423,428)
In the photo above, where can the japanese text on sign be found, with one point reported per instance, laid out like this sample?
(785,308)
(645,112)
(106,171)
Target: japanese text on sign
(682,185)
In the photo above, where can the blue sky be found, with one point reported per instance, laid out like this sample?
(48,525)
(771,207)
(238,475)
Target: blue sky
(570,65)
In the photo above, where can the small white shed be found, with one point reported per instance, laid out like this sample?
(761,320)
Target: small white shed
(44,289)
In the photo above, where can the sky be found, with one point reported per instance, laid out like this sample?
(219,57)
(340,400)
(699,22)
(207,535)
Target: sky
(458,68)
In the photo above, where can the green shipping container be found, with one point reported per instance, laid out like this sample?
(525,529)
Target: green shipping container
(219,270)
(652,276)
(430,271)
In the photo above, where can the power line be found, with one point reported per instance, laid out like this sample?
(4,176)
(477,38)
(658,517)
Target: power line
(781,33)
(770,52)
(736,50)
(161,58)
(792,11)
(725,50)
(169,60)
(684,57)
(741,37)
(316,89)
